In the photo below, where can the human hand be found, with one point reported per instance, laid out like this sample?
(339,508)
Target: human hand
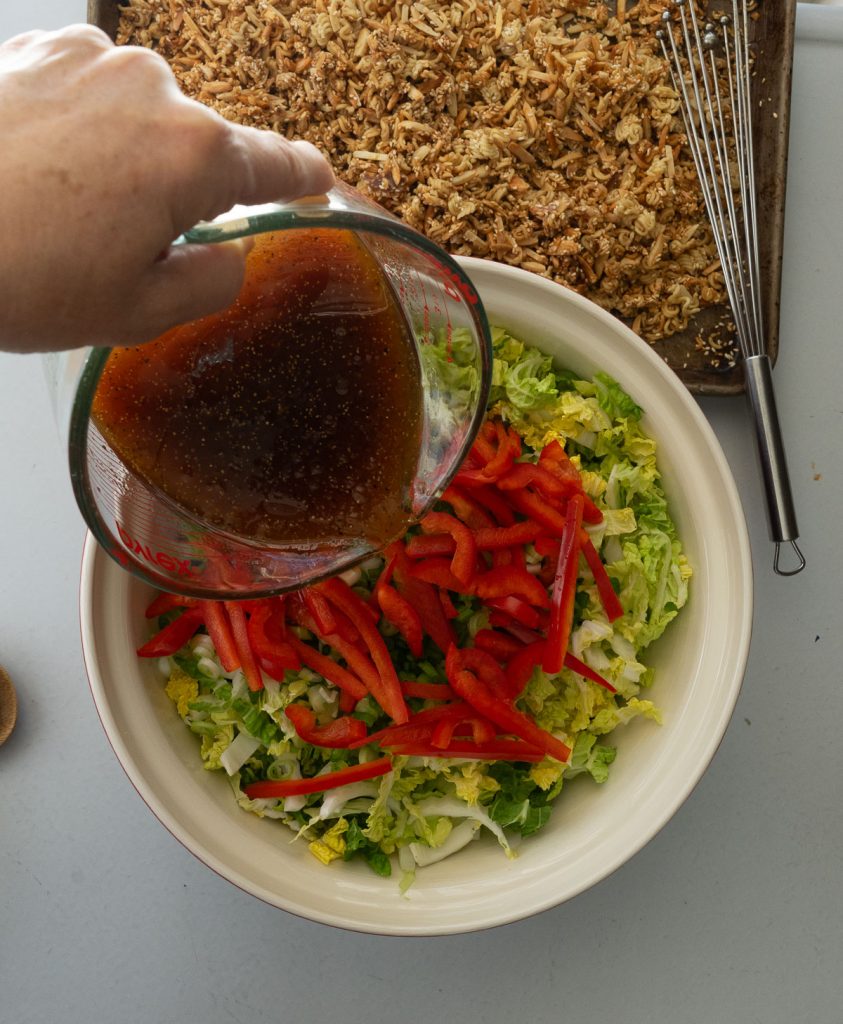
(104,163)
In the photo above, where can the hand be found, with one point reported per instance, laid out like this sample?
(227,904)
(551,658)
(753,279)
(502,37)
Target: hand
(104,163)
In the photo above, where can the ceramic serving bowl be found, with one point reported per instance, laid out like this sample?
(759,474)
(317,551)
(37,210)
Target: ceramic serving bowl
(594,829)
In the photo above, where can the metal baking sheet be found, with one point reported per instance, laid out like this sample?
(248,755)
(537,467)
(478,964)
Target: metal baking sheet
(774,31)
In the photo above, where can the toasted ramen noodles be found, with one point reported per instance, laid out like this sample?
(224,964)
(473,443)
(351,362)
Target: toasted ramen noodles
(542,134)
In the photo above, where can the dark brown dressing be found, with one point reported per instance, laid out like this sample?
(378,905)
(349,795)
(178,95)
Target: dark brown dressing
(294,417)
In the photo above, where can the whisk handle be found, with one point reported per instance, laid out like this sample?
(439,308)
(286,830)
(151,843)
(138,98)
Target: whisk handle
(781,514)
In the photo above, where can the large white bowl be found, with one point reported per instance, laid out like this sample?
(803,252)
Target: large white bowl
(594,829)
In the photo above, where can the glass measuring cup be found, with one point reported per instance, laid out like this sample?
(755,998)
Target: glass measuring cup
(173,548)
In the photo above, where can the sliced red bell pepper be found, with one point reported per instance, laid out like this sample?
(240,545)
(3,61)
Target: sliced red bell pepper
(443,733)
(497,750)
(166,602)
(240,632)
(529,474)
(608,598)
(267,631)
(509,580)
(499,645)
(434,545)
(564,589)
(423,597)
(516,609)
(536,508)
(464,561)
(337,733)
(436,571)
(505,716)
(320,783)
(562,466)
(519,669)
(347,703)
(524,532)
(427,691)
(587,671)
(320,609)
(490,498)
(509,448)
(447,604)
(173,637)
(484,665)
(467,509)
(219,630)
(398,610)
(328,669)
(521,633)
(388,693)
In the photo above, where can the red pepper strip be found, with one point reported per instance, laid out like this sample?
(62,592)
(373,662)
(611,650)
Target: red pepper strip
(517,556)
(419,726)
(433,545)
(337,733)
(491,500)
(329,669)
(519,669)
(298,787)
(427,691)
(509,580)
(464,562)
(483,450)
(358,661)
(505,716)
(547,547)
(564,589)
(472,478)
(505,536)
(172,637)
(320,609)
(537,509)
(484,665)
(526,474)
(507,453)
(388,693)
(438,572)
(165,602)
(219,630)
(347,703)
(424,598)
(521,633)
(467,509)
(266,638)
(554,452)
(443,733)
(580,667)
(608,598)
(402,615)
(447,604)
(240,631)
(499,750)
(515,609)
(482,731)
(502,556)
(497,644)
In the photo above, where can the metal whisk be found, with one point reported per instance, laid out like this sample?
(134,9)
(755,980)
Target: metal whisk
(717,110)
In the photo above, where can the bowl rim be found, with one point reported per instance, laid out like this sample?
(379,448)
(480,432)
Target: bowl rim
(94,560)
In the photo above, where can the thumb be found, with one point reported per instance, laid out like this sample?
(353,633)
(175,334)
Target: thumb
(191,281)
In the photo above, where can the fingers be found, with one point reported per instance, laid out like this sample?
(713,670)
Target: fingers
(267,167)
(190,282)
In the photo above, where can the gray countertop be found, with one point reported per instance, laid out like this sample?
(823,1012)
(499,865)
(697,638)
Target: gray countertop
(731,914)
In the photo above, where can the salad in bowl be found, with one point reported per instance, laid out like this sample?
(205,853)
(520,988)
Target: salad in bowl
(500,710)
(454,686)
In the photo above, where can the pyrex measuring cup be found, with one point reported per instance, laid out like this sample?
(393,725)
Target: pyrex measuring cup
(175,549)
